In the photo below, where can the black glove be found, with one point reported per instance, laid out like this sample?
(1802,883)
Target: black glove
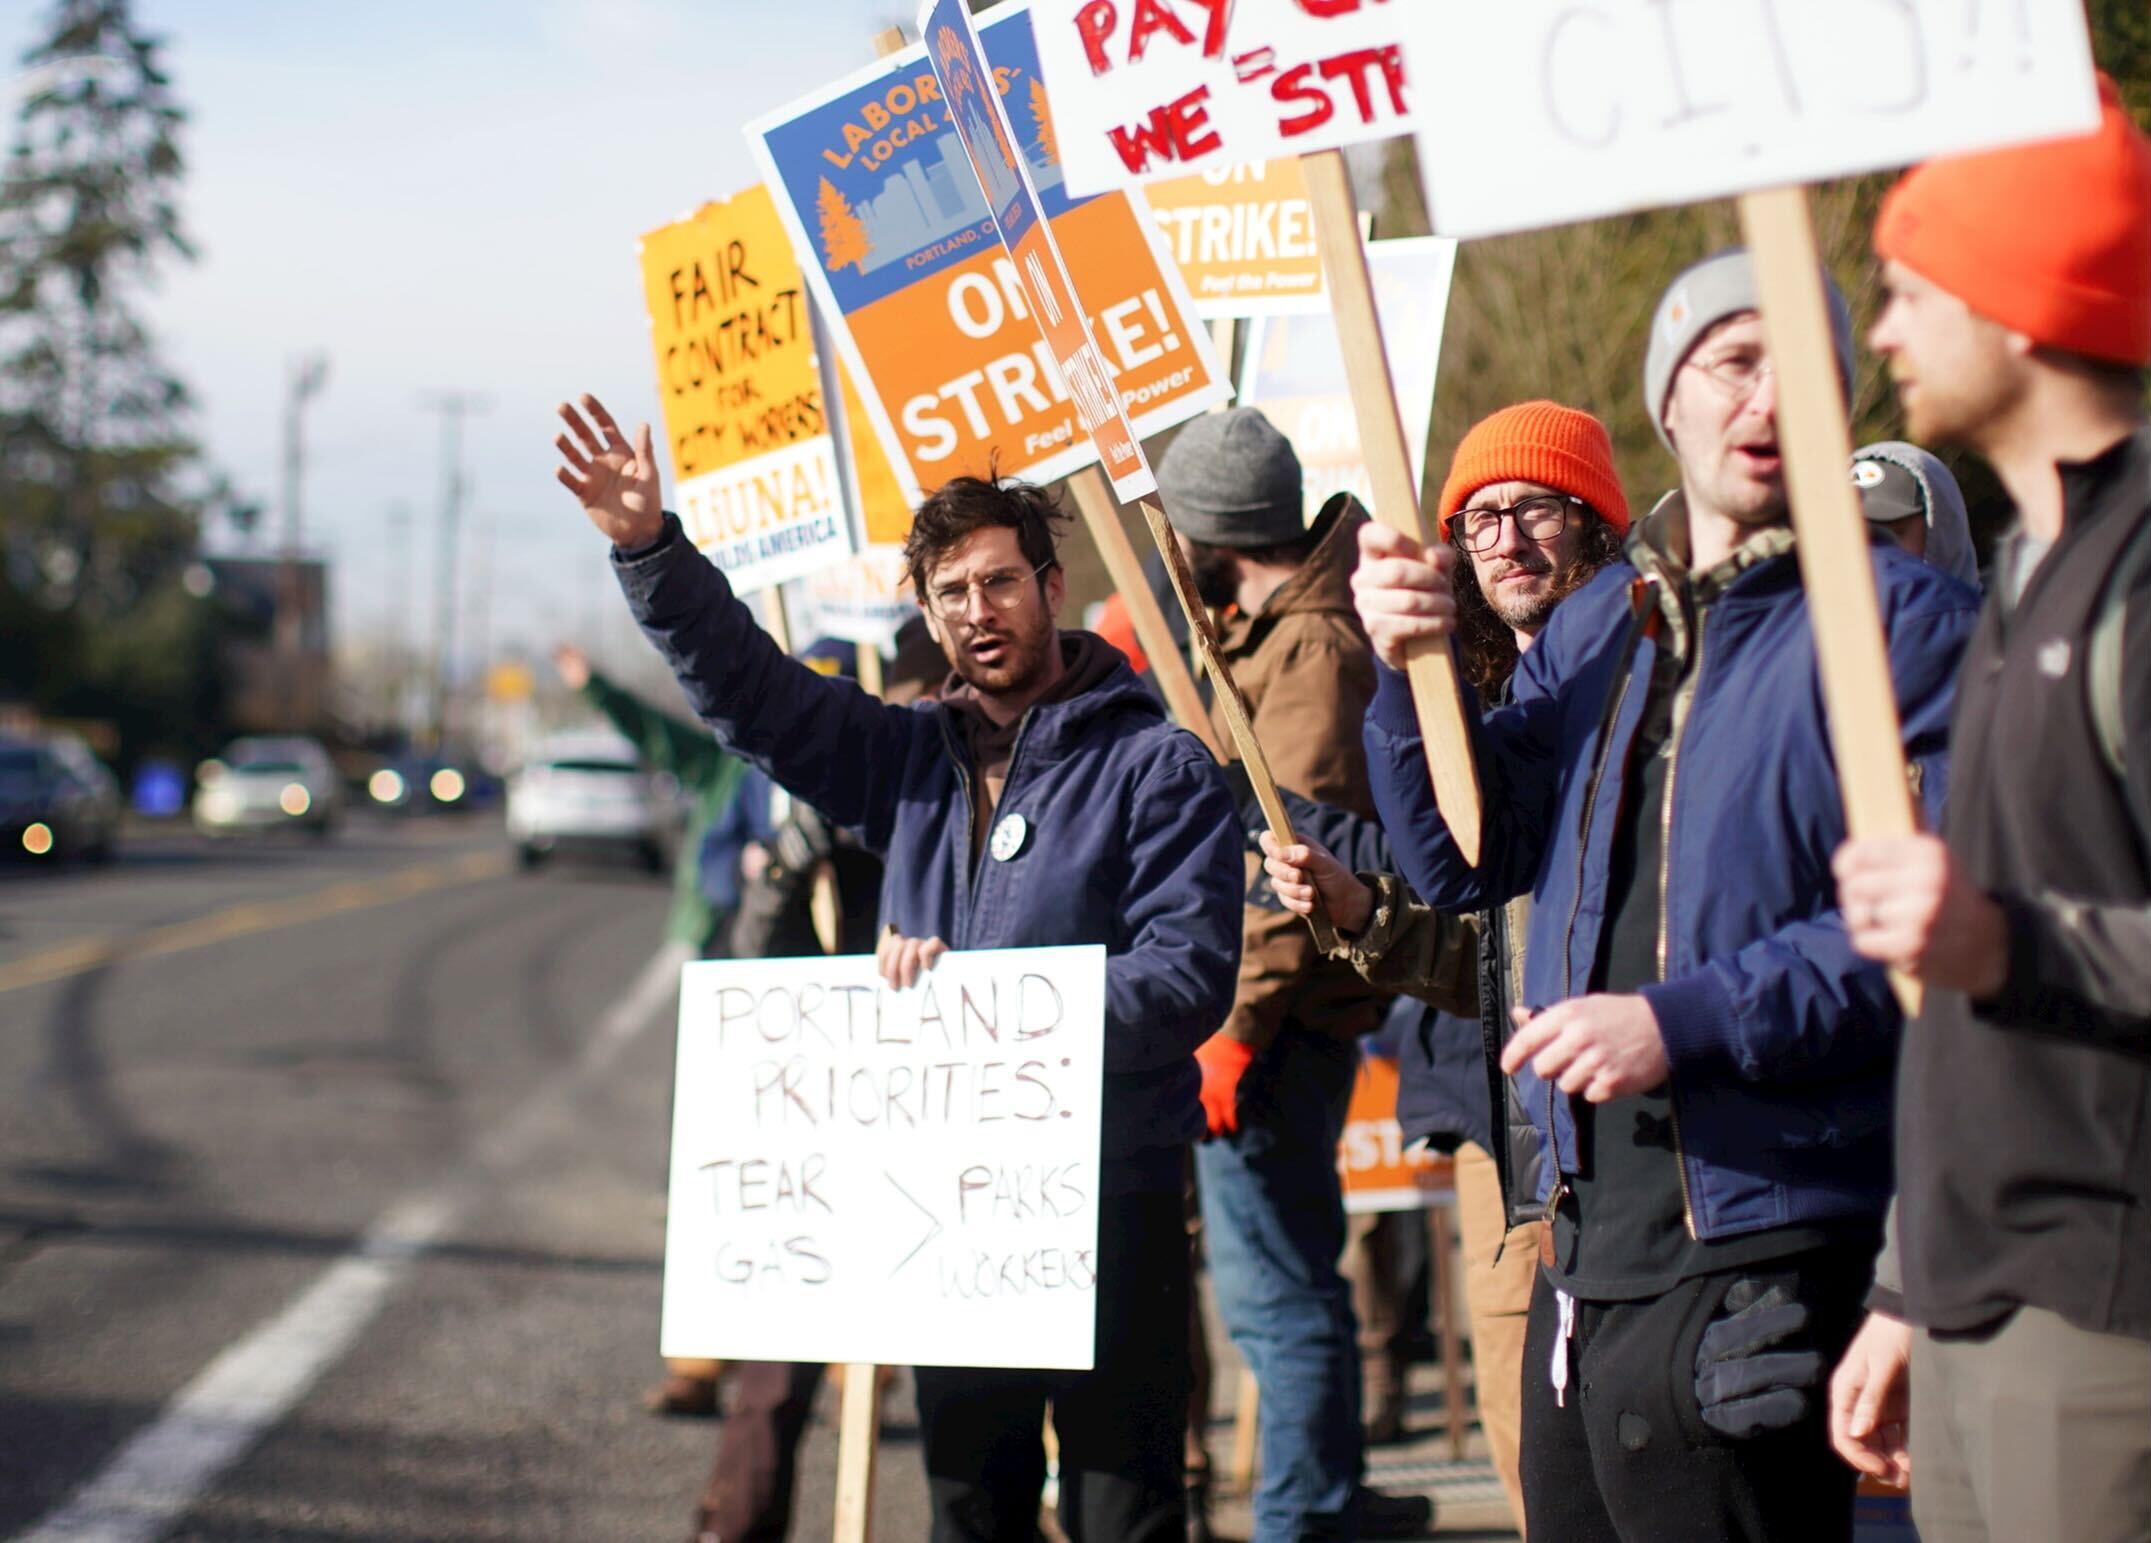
(1743,1391)
(801,842)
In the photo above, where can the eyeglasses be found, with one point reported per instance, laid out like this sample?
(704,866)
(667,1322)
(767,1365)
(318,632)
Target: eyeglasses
(1738,372)
(1538,518)
(1003,592)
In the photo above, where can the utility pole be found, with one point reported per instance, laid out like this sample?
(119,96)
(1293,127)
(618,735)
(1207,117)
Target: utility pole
(304,377)
(396,614)
(454,407)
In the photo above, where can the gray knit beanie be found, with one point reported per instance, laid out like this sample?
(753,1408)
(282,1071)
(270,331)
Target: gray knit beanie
(1230,479)
(1715,288)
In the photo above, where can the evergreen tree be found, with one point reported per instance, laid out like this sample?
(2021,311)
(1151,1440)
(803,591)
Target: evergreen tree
(96,520)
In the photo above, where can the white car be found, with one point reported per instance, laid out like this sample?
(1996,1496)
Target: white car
(589,792)
(268,784)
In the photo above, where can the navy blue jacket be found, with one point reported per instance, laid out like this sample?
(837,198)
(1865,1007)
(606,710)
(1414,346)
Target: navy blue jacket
(1782,1042)
(1132,844)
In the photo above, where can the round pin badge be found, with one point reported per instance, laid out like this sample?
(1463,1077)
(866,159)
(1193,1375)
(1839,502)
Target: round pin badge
(1008,837)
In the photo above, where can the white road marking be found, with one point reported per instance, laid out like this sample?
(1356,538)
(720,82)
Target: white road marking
(161,1471)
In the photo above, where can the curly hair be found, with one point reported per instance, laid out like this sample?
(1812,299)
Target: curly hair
(1486,643)
(963,506)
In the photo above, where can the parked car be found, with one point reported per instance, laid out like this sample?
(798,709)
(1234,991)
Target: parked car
(589,792)
(268,784)
(57,800)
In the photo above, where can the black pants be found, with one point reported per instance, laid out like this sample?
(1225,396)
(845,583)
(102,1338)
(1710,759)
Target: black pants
(749,1498)
(1120,1425)
(1628,1459)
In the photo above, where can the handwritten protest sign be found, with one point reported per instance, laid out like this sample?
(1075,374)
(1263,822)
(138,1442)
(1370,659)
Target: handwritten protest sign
(896,1177)
(873,181)
(1611,105)
(1243,238)
(753,462)
(1378,1172)
(1158,88)
(1294,369)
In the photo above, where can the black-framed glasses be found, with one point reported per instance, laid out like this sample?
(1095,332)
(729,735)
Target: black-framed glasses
(1003,592)
(1539,518)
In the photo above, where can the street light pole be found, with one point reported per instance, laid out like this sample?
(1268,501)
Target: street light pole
(300,707)
(454,407)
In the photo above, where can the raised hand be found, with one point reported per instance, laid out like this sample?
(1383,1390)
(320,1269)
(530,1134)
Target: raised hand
(1300,874)
(616,483)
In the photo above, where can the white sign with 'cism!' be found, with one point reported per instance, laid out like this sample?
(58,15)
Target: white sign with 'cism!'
(901,1177)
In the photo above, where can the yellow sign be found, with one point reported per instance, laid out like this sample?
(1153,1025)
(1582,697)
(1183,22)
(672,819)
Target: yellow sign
(746,420)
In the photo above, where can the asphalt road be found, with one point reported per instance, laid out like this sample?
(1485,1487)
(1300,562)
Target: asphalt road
(331,1186)
(331,1206)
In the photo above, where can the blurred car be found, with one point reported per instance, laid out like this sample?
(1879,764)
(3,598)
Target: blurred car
(57,800)
(268,784)
(431,785)
(589,792)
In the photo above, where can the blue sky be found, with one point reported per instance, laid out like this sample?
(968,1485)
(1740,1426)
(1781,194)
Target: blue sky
(447,195)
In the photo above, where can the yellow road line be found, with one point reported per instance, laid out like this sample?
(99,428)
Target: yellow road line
(249,917)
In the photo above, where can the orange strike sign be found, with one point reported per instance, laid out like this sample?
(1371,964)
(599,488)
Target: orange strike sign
(1243,237)
(1378,1173)
(934,317)
(753,461)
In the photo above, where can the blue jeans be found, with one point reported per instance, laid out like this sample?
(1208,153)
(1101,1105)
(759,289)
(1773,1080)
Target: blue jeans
(1273,1227)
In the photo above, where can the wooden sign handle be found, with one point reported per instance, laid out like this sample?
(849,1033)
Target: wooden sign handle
(858,1435)
(1850,649)
(1232,704)
(1101,516)
(1431,666)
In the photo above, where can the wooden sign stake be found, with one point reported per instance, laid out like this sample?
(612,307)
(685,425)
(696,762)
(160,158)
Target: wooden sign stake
(1850,650)
(1232,703)
(1101,516)
(1431,666)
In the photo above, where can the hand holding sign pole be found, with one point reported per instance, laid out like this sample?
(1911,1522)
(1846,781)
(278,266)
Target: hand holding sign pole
(975,108)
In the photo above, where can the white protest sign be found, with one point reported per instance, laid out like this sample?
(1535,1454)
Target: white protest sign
(1540,112)
(1160,88)
(897,1177)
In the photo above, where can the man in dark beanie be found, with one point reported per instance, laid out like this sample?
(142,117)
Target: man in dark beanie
(2018,324)
(1278,1075)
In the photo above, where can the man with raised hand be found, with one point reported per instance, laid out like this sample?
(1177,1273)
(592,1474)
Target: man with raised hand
(2018,325)
(1709,1062)
(1044,800)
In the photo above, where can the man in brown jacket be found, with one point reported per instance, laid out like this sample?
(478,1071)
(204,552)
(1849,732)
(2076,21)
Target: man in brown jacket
(1278,1075)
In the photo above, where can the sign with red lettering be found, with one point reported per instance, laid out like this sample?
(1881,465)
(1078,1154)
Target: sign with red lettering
(1539,112)
(1159,88)
(1243,237)
(982,123)
(872,179)
(754,465)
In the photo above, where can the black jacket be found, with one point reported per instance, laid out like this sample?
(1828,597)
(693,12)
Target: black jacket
(2024,1155)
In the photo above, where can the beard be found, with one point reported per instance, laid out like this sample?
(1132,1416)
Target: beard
(1217,575)
(1020,657)
(1530,611)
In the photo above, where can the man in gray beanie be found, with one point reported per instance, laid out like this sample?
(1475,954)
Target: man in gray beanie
(1278,1075)
(1709,1061)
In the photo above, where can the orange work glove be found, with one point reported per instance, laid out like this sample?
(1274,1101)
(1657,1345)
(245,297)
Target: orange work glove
(1223,1062)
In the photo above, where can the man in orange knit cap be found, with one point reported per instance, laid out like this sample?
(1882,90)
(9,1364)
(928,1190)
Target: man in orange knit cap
(1709,1064)
(1534,506)
(2018,324)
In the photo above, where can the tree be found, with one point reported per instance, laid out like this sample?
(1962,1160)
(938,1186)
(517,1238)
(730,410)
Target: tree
(96,520)
(1049,144)
(845,242)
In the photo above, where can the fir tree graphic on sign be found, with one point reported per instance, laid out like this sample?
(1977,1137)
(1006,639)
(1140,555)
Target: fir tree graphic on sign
(845,242)
(1042,115)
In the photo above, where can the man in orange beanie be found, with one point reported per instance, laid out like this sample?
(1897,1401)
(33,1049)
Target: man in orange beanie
(1534,506)
(1708,1063)
(2018,324)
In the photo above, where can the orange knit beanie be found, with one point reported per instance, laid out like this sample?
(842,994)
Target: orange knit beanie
(2052,240)
(1561,447)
